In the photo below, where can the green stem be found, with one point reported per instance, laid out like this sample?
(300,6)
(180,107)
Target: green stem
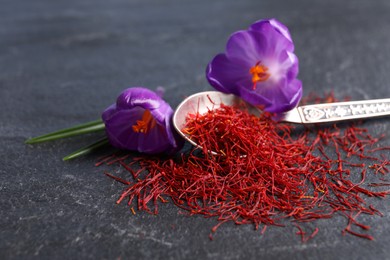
(87,149)
(89,127)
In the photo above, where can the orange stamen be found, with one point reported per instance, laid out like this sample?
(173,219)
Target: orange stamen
(259,73)
(145,124)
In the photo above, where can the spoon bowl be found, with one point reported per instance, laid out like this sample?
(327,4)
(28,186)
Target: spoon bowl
(202,103)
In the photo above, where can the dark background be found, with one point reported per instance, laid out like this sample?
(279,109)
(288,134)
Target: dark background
(63,62)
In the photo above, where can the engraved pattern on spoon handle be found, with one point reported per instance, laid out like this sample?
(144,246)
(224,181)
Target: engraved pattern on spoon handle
(344,110)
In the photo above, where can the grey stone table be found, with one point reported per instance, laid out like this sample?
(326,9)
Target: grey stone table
(63,62)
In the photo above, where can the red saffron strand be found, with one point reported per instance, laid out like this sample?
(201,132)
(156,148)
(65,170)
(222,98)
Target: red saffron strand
(359,234)
(117,179)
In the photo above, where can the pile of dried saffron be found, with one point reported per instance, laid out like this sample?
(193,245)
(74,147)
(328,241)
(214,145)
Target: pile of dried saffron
(261,174)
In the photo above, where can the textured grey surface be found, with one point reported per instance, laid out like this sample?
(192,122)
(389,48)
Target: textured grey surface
(62,62)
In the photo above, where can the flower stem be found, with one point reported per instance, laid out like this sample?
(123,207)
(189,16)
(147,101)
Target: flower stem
(89,127)
(87,149)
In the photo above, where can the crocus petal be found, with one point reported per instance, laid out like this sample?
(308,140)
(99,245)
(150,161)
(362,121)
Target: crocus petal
(290,64)
(138,96)
(156,141)
(119,127)
(276,42)
(176,140)
(254,98)
(223,74)
(280,98)
(293,93)
(246,47)
(164,116)
(162,113)
(130,108)
(281,28)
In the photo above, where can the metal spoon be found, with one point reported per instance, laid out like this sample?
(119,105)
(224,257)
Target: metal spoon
(318,113)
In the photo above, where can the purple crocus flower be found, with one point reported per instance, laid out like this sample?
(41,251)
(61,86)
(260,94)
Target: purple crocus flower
(259,66)
(141,121)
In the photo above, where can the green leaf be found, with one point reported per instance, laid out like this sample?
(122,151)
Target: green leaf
(89,127)
(87,149)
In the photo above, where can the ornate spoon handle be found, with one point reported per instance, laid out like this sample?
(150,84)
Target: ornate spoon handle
(339,111)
